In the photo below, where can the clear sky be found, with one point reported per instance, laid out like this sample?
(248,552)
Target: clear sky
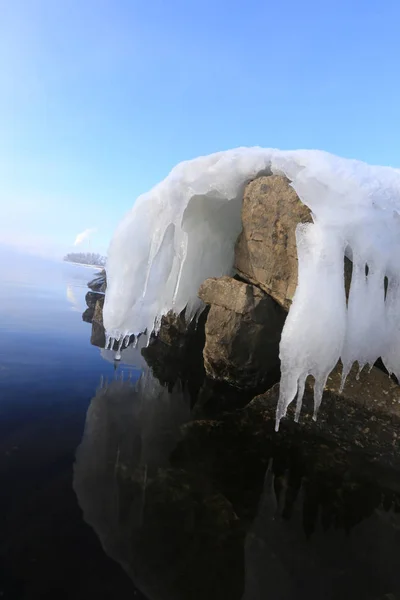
(100,99)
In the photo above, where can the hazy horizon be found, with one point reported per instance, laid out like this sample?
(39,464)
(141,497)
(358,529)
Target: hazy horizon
(99,101)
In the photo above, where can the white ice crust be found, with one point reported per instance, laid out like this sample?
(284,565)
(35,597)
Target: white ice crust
(184,230)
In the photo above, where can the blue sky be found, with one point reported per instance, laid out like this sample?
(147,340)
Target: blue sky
(100,99)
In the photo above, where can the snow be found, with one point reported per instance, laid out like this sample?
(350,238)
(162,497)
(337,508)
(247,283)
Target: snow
(181,232)
(184,231)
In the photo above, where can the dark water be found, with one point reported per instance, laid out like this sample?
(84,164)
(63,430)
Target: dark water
(48,374)
(110,486)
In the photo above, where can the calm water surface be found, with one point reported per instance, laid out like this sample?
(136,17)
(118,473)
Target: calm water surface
(110,485)
(48,374)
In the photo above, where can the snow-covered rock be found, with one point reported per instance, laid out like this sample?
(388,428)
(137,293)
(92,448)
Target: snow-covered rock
(184,231)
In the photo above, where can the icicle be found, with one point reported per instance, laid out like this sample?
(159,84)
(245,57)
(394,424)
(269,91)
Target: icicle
(300,394)
(303,350)
(108,341)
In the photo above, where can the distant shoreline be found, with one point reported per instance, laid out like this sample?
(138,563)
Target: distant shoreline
(84,265)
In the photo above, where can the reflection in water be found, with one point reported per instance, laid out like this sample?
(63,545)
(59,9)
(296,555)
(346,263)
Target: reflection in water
(131,356)
(72,299)
(130,432)
(283,562)
(199,508)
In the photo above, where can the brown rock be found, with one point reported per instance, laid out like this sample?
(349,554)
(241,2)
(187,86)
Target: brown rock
(99,283)
(92,297)
(98,311)
(243,330)
(173,329)
(98,337)
(364,417)
(266,252)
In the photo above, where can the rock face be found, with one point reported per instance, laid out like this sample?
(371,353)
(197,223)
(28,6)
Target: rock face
(99,283)
(364,417)
(91,300)
(243,330)
(175,353)
(98,337)
(92,297)
(244,324)
(173,329)
(266,252)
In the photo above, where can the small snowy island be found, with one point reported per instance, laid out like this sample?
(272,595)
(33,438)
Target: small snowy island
(279,228)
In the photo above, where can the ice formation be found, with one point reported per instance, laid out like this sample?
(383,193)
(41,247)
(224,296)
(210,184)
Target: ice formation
(184,231)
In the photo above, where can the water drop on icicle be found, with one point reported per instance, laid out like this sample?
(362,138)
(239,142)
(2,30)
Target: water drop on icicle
(117,355)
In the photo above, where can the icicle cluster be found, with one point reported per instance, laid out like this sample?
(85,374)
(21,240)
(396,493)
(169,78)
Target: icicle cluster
(356,213)
(184,231)
(176,236)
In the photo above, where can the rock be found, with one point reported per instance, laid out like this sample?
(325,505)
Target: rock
(243,330)
(92,297)
(99,283)
(265,253)
(98,337)
(176,352)
(173,329)
(365,417)
(87,315)
(91,300)
(98,311)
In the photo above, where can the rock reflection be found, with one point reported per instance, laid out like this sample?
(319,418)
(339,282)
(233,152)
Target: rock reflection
(160,522)
(222,508)
(285,563)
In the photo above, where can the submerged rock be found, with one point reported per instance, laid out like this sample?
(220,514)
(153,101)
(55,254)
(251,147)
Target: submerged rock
(243,330)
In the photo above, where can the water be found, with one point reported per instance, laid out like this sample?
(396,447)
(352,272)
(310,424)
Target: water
(48,374)
(113,488)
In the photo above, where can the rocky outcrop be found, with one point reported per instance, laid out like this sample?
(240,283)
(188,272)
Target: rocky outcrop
(91,300)
(243,330)
(365,417)
(92,297)
(244,324)
(173,329)
(175,353)
(246,317)
(98,337)
(99,283)
(266,252)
